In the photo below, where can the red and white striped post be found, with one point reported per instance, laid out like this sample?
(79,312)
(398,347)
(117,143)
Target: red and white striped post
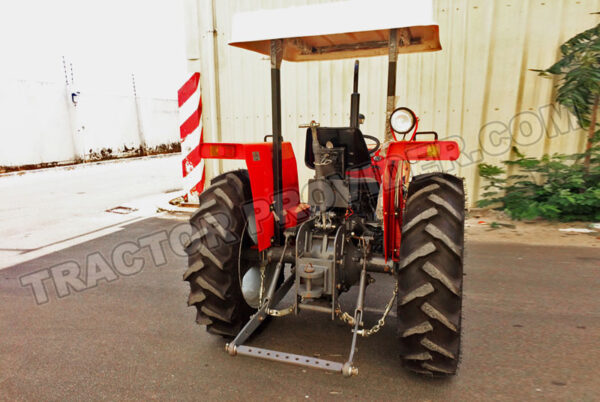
(190,119)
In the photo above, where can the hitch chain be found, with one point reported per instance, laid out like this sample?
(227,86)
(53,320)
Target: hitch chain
(348,319)
(343,315)
(381,321)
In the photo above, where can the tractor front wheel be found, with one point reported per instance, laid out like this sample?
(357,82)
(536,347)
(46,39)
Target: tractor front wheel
(430,274)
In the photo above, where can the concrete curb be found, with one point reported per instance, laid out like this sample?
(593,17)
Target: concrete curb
(84,165)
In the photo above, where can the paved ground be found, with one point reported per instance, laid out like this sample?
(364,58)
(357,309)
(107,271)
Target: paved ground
(531,314)
(40,208)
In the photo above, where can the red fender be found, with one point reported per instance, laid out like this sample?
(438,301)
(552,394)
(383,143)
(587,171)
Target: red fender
(394,162)
(259,160)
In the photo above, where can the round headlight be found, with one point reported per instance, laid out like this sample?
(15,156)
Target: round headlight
(403,120)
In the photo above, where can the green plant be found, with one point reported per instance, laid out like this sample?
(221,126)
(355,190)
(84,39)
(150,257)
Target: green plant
(579,84)
(557,187)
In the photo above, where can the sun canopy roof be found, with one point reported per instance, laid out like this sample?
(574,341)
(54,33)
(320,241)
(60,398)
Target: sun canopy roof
(356,28)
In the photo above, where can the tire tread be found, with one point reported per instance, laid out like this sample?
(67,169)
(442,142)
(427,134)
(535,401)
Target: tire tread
(430,275)
(212,271)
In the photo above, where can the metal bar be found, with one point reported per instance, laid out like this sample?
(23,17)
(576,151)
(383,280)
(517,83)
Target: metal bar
(338,247)
(276,57)
(259,317)
(282,291)
(214,99)
(434,133)
(377,263)
(274,254)
(391,85)
(289,358)
(273,285)
(349,369)
(312,307)
(301,239)
(357,321)
(251,326)
(305,50)
(354,99)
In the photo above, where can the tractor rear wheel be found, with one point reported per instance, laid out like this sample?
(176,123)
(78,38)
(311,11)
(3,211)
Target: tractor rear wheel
(430,274)
(215,269)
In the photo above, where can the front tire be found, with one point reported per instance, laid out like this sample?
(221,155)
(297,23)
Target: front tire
(430,274)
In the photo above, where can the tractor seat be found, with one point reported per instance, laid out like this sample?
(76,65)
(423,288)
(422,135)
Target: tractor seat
(356,153)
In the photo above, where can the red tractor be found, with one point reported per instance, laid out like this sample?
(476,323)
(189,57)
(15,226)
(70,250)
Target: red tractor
(254,242)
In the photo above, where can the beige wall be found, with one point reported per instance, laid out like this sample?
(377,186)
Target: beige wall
(40,124)
(477,90)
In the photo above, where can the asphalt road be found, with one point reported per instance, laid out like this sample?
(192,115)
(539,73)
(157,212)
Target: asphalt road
(531,331)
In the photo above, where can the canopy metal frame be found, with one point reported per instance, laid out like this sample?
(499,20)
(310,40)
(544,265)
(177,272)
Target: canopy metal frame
(397,37)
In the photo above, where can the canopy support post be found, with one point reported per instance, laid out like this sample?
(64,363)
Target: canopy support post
(277,206)
(391,85)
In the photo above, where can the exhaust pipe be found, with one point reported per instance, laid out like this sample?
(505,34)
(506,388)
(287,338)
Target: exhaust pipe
(354,99)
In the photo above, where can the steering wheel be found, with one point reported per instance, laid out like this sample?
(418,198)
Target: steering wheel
(373,150)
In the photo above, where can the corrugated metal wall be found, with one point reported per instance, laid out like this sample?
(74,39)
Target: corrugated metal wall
(478,90)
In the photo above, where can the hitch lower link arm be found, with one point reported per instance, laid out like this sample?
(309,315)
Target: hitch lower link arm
(272,298)
(236,347)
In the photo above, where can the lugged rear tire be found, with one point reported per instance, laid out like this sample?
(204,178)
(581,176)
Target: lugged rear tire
(217,229)
(430,274)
